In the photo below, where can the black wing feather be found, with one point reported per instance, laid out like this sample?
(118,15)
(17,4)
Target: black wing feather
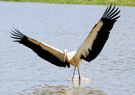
(22,39)
(109,17)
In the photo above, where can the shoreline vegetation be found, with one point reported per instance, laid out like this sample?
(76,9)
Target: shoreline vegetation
(99,2)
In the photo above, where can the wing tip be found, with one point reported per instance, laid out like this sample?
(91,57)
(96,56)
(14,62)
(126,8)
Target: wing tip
(111,13)
(16,35)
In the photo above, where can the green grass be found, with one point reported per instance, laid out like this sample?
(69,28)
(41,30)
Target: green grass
(103,2)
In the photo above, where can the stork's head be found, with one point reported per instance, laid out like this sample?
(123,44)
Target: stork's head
(65,51)
(65,54)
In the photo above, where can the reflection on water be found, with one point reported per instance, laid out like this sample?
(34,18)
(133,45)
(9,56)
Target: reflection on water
(62,90)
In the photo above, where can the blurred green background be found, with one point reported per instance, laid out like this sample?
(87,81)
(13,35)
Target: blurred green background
(102,2)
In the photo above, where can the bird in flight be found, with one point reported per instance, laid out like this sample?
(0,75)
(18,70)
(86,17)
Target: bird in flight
(88,50)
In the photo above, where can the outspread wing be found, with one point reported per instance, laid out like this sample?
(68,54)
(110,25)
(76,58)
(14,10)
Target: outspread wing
(98,36)
(43,50)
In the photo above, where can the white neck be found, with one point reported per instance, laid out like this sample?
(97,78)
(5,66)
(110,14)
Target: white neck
(65,55)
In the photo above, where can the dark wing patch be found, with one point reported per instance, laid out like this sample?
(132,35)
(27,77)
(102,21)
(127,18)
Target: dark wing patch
(33,44)
(109,17)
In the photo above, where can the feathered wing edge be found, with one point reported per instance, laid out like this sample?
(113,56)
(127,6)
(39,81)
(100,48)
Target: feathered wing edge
(111,13)
(98,36)
(39,48)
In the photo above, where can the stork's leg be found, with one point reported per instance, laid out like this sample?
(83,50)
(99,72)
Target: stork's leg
(74,73)
(79,76)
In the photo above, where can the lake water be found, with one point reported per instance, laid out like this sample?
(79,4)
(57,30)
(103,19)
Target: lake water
(22,72)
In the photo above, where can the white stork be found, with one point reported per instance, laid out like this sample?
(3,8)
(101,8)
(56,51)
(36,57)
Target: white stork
(88,51)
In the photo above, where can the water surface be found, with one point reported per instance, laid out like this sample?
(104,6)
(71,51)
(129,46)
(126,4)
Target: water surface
(22,72)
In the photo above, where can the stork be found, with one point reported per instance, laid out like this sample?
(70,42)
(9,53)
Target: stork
(88,50)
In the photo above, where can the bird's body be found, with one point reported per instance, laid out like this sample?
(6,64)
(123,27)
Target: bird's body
(88,50)
(70,56)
